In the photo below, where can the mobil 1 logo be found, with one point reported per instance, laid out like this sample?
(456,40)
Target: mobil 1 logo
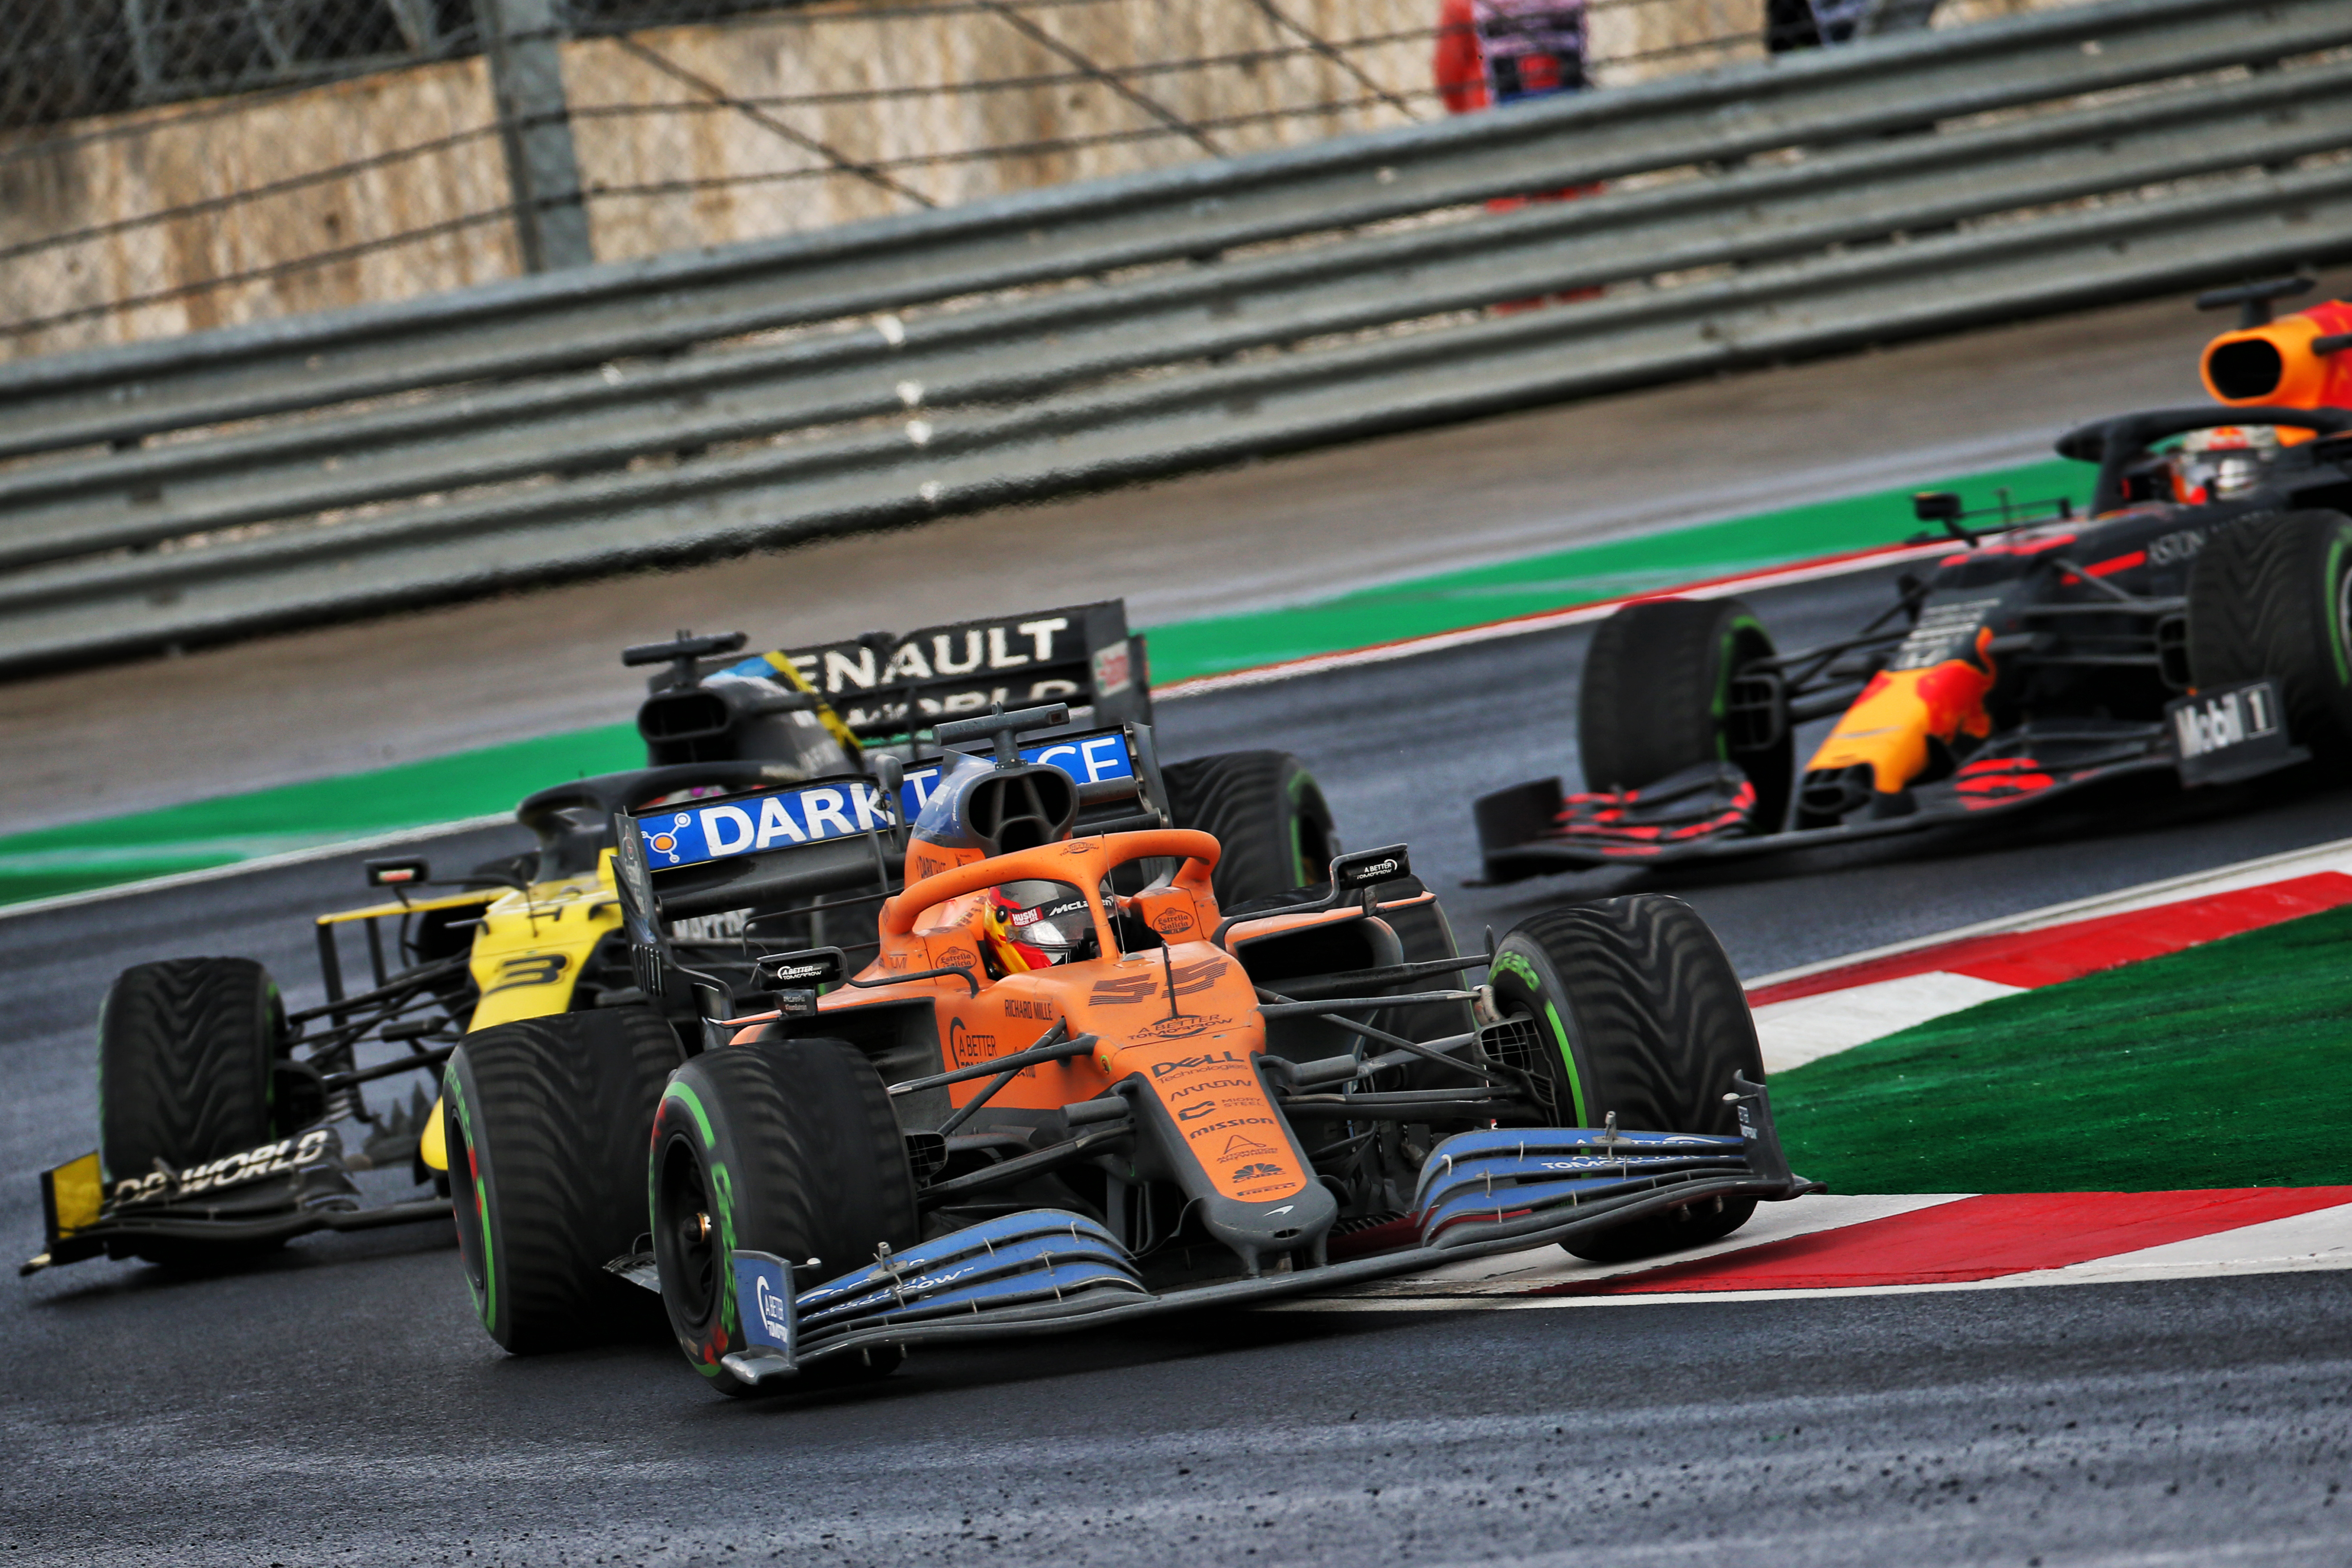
(2229,732)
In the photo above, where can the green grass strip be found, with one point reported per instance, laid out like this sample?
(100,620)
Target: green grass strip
(1563,578)
(236,827)
(2228,1065)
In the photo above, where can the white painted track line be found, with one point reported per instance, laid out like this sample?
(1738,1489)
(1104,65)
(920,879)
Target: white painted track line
(1806,1028)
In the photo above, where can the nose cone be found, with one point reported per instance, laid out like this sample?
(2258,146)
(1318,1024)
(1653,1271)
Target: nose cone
(1189,1040)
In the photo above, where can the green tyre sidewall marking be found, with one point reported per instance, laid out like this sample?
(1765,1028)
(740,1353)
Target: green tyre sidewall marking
(1726,656)
(105,1177)
(720,1186)
(479,1181)
(1296,791)
(2331,586)
(1544,988)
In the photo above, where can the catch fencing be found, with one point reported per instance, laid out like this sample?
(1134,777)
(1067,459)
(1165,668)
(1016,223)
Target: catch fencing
(688,406)
(177,166)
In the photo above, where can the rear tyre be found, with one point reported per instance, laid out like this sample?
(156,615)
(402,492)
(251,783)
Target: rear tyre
(1266,812)
(787,1147)
(546,1122)
(2273,596)
(186,1050)
(1656,698)
(1637,1012)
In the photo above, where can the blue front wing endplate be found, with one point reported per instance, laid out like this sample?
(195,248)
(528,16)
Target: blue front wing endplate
(1490,1191)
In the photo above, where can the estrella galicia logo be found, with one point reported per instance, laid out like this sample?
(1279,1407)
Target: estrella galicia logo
(528,969)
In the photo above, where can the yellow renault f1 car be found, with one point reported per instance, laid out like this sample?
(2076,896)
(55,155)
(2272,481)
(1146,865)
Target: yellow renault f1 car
(2194,629)
(223,1113)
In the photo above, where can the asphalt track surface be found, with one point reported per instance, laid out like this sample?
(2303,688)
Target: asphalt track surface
(339,1405)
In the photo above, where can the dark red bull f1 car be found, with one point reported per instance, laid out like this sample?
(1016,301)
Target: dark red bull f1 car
(2194,628)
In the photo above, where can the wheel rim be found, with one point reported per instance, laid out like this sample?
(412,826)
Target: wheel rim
(466,1202)
(687,1252)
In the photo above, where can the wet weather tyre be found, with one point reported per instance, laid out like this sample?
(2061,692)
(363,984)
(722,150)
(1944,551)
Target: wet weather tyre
(547,1121)
(786,1147)
(1655,699)
(1635,1010)
(1268,816)
(1266,812)
(2273,596)
(186,1050)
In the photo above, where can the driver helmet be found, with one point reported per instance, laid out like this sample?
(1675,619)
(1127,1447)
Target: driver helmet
(2224,461)
(1036,924)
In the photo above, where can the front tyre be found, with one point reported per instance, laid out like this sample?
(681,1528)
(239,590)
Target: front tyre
(787,1147)
(1637,1011)
(2273,596)
(547,1121)
(1657,697)
(186,1050)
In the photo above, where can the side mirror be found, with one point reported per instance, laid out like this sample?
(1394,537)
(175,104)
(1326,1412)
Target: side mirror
(803,971)
(403,872)
(1369,869)
(1935,506)
(890,777)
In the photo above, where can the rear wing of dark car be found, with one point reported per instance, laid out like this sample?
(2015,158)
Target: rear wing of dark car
(886,685)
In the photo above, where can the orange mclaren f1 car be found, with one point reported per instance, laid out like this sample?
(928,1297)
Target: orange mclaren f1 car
(1071,1088)
(2195,628)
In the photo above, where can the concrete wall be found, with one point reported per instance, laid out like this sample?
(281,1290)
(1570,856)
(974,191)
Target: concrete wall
(394,184)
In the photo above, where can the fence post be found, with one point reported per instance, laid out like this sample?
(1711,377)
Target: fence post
(535,127)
